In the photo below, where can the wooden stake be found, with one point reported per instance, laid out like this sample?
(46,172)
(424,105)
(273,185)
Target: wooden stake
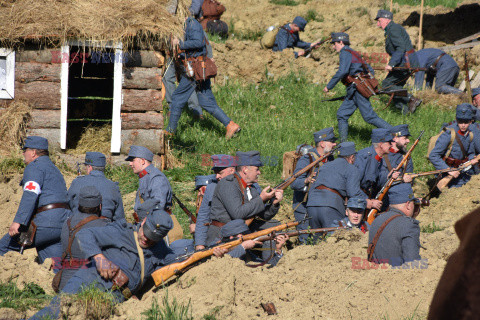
(391,5)
(420,40)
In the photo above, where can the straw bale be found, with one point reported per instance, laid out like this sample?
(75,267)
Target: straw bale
(133,22)
(13,125)
(446,101)
(94,139)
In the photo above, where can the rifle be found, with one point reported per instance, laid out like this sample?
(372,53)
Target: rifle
(182,206)
(320,42)
(381,194)
(446,180)
(428,173)
(163,274)
(299,232)
(467,79)
(413,70)
(78,169)
(399,93)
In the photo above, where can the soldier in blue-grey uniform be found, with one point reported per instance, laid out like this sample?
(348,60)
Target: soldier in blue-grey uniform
(86,214)
(324,142)
(238,196)
(476,102)
(287,37)
(443,156)
(223,166)
(336,181)
(354,215)
(351,63)
(44,202)
(201,183)
(399,47)
(475,126)
(112,204)
(440,67)
(114,252)
(194,45)
(400,240)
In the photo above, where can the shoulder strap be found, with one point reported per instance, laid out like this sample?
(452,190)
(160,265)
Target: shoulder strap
(73,231)
(387,162)
(450,144)
(371,247)
(359,57)
(140,255)
(240,184)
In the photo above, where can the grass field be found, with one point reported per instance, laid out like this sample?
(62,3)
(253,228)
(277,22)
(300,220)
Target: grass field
(429,3)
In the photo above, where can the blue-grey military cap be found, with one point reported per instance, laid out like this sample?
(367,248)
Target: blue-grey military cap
(221,161)
(384,14)
(326,134)
(300,22)
(340,36)
(347,148)
(475,91)
(233,228)
(147,208)
(381,135)
(401,193)
(201,181)
(96,159)
(465,111)
(400,131)
(139,152)
(249,158)
(35,142)
(89,197)
(357,203)
(157,225)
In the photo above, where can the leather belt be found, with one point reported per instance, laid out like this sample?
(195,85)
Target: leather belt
(52,206)
(322,187)
(215,223)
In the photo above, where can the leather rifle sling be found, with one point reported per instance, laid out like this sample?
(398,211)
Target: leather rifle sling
(371,247)
(140,255)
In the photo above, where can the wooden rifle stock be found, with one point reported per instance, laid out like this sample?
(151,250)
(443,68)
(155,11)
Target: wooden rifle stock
(163,274)
(185,209)
(446,180)
(381,194)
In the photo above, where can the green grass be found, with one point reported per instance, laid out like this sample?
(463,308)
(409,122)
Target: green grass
(96,303)
(289,3)
(170,310)
(431,228)
(11,165)
(429,3)
(312,15)
(127,180)
(32,296)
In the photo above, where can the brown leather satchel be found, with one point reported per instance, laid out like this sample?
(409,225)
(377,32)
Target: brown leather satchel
(203,67)
(365,83)
(119,280)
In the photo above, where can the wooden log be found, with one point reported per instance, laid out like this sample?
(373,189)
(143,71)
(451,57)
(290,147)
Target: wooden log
(467,39)
(44,119)
(147,120)
(52,135)
(141,100)
(41,94)
(43,56)
(144,58)
(152,139)
(463,85)
(142,78)
(460,46)
(27,72)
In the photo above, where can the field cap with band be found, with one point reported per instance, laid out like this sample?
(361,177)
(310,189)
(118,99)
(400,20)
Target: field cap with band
(249,158)
(35,142)
(89,197)
(96,159)
(139,152)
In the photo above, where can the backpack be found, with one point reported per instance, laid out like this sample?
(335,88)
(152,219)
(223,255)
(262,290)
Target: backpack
(212,8)
(268,39)
(290,159)
(433,141)
(218,27)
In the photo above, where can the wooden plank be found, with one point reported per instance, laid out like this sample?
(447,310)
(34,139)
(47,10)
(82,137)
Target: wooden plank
(44,119)
(41,94)
(43,56)
(467,39)
(147,120)
(464,83)
(152,139)
(460,46)
(142,78)
(141,100)
(26,72)
(476,82)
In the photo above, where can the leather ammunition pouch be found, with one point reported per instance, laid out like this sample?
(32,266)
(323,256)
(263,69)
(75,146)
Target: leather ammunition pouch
(455,163)
(366,85)
(120,281)
(203,67)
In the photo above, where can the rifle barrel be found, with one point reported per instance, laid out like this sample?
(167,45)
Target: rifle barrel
(185,209)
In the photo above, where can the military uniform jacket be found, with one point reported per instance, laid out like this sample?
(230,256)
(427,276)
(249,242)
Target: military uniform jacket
(426,58)
(287,39)
(42,184)
(194,42)
(229,203)
(153,184)
(349,65)
(117,243)
(338,175)
(441,147)
(112,204)
(397,43)
(394,158)
(299,184)
(369,165)
(399,241)
(203,215)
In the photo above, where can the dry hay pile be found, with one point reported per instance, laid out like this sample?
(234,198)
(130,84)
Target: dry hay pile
(94,139)
(13,125)
(132,22)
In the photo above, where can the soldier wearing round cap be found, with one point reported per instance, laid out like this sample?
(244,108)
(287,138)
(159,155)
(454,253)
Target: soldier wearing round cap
(287,37)
(86,214)
(399,242)
(351,64)
(452,151)
(399,47)
(354,215)
(201,183)
(324,142)
(336,181)
(476,99)
(223,166)
(112,204)
(43,203)
(238,196)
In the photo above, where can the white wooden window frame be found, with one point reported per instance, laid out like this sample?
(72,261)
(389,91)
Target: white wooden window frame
(9,91)
(116,138)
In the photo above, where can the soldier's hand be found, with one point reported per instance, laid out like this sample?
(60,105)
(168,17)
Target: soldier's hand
(278,196)
(407,178)
(266,195)
(191,227)
(105,267)
(454,174)
(300,53)
(199,247)
(250,244)
(309,179)
(394,174)
(13,230)
(219,252)
(474,161)
(388,68)
(374,204)
(280,241)
(325,90)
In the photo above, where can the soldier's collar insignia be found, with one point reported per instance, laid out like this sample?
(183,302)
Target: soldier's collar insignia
(143,173)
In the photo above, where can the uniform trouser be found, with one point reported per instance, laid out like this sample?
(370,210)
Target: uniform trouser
(395,80)
(300,216)
(205,98)
(46,241)
(169,79)
(323,217)
(350,104)
(446,79)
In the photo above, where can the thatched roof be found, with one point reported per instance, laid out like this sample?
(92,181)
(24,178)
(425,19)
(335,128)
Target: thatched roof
(55,21)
